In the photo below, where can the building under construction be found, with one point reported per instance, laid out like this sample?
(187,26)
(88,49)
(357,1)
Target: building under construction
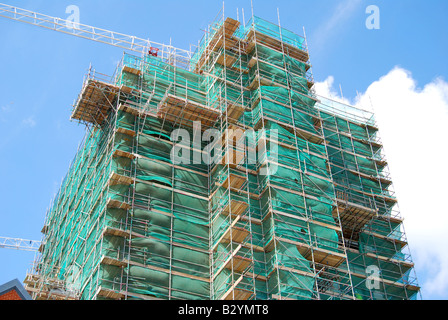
(296,204)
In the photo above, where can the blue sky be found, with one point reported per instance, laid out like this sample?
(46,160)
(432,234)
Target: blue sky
(402,66)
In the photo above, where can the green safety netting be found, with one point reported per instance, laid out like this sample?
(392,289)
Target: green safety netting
(172,206)
(287,137)
(296,100)
(369,186)
(152,147)
(278,59)
(287,228)
(124,142)
(280,113)
(291,285)
(275,32)
(380,246)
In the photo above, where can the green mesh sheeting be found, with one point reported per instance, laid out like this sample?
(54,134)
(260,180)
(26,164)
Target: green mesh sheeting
(154,148)
(285,136)
(281,95)
(275,31)
(290,285)
(122,165)
(278,59)
(125,120)
(123,142)
(149,227)
(287,228)
(281,113)
(385,248)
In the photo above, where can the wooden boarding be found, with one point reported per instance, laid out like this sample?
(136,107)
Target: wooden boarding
(233,181)
(239,264)
(136,109)
(235,293)
(232,135)
(116,179)
(396,220)
(353,217)
(254,37)
(235,152)
(129,109)
(234,112)
(238,294)
(374,195)
(261,81)
(111,203)
(124,154)
(379,163)
(234,158)
(402,263)
(383,197)
(128,132)
(128,69)
(237,208)
(109,294)
(113,262)
(235,234)
(44,229)
(94,102)
(185,112)
(110,231)
(305,219)
(128,90)
(226,60)
(309,136)
(321,256)
(309,84)
(270,246)
(223,34)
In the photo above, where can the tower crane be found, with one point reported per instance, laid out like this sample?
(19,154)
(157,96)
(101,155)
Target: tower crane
(143,46)
(19,244)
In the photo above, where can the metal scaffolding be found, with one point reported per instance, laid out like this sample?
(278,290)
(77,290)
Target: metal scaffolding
(296,203)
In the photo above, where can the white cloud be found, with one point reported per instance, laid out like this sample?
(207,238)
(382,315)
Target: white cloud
(5,109)
(325,88)
(413,126)
(29,122)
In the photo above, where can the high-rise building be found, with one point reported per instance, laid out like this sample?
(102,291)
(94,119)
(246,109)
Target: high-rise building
(296,204)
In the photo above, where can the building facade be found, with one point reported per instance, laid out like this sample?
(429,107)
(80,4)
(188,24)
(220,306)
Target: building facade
(222,175)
